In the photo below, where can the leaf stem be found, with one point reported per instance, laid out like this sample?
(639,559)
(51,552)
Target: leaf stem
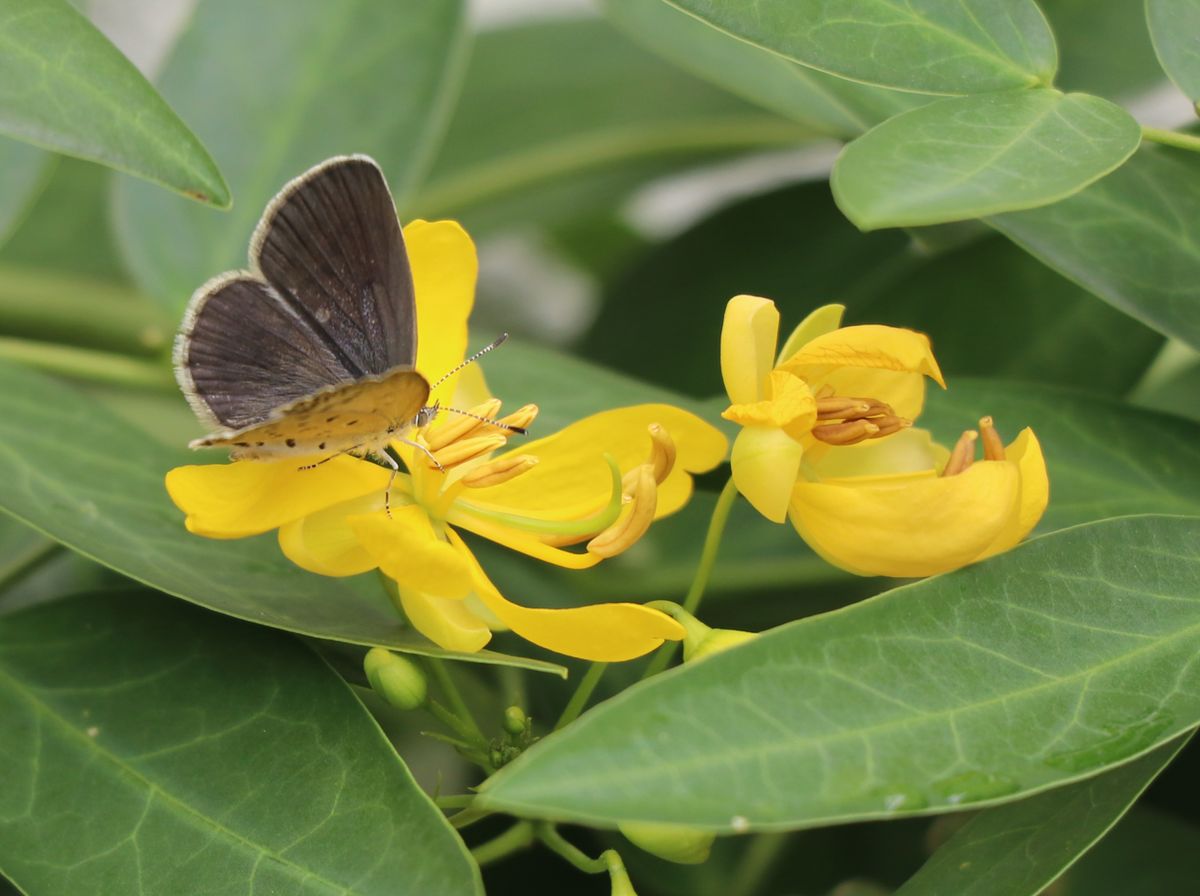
(458,706)
(757,861)
(518,837)
(708,558)
(87,364)
(1172,138)
(468,817)
(556,842)
(455,801)
(582,694)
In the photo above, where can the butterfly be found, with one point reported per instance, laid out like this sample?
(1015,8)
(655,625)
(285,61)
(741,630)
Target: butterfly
(313,349)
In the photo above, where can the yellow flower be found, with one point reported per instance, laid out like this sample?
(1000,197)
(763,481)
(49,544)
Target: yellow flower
(826,440)
(601,481)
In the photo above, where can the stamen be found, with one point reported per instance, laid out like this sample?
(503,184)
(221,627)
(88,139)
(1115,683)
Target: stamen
(993,445)
(825,391)
(889,424)
(662,452)
(834,408)
(519,419)
(628,528)
(499,470)
(461,426)
(465,449)
(963,454)
(849,433)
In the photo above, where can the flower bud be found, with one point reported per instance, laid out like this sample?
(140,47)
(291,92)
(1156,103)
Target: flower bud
(397,679)
(515,720)
(673,842)
(702,640)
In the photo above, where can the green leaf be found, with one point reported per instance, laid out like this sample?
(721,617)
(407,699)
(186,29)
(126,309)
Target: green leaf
(1076,646)
(1023,322)
(981,155)
(1174,25)
(86,479)
(275,87)
(21,550)
(827,103)
(68,228)
(153,748)
(1104,458)
(1149,854)
(1133,239)
(610,113)
(1019,848)
(928,46)
(1104,50)
(22,170)
(68,89)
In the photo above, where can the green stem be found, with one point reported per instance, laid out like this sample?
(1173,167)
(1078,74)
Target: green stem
(708,558)
(467,817)
(455,801)
(21,567)
(458,706)
(518,837)
(455,724)
(1172,138)
(757,861)
(87,364)
(83,311)
(582,694)
(555,842)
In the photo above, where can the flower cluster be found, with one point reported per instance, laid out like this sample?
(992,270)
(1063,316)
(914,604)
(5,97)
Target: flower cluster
(827,441)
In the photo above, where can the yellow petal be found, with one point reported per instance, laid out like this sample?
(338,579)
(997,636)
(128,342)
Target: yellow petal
(748,346)
(603,633)
(912,526)
(789,405)
(324,543)
(872,361)
(249,497)
(820,321)
(444,268)
(523,542)
(766,463)
(447,623)
(907,451)
(1026,453)
(571,478)
(407,550)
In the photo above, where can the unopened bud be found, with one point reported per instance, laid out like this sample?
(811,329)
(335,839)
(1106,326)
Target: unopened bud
(673,842)
(515,720)
(715,641)
(396,679)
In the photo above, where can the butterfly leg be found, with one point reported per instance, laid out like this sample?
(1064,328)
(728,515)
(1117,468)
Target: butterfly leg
(326,460)
(387,458)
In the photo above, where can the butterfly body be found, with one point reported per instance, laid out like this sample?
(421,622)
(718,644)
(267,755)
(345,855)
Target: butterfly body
(313,350)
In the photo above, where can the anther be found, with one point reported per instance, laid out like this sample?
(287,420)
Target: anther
(963,454)
(834,408)
(519,419)
(993,445)
(849,433)
(499,470)
(889,424)
(458,427)
(466,449)
(825,391)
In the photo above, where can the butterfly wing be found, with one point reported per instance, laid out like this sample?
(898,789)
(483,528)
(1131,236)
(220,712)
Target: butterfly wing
(241,354)
(331,246)
(330,301)
(359,415)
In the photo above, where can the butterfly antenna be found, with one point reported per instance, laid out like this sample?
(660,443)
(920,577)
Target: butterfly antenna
(520,430)
(471,360)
